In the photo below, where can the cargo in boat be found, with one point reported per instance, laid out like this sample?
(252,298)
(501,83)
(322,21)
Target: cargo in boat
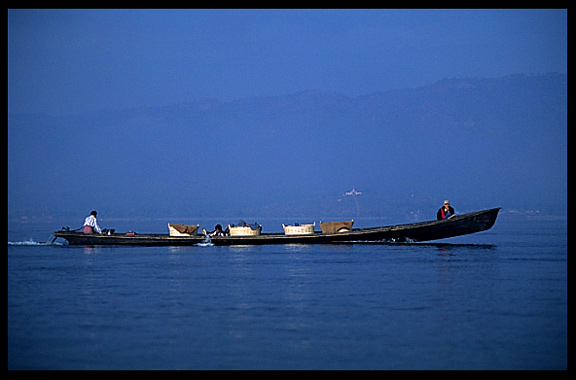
(299,229)
(342,226)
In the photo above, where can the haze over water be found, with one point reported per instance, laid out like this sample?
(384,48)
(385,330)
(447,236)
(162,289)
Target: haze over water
(203,113)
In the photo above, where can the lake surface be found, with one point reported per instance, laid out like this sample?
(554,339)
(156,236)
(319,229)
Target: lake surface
(493,300)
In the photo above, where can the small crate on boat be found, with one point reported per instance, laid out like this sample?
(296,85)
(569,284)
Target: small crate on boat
(299,229)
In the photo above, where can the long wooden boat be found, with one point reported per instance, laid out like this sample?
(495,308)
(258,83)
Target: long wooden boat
(462,224)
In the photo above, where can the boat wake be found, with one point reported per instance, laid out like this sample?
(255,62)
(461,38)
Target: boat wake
(207,242)
(31,242)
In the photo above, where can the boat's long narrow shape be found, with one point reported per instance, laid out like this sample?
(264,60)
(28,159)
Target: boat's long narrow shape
(413,232)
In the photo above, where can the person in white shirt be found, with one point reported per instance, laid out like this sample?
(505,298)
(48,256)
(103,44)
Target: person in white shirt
(91,224)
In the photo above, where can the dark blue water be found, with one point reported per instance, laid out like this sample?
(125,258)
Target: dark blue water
(494,300)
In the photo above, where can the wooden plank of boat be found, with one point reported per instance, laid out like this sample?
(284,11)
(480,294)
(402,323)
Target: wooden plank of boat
(462,224)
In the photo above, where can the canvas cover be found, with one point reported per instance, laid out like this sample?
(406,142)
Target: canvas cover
(184,228)
(342,226)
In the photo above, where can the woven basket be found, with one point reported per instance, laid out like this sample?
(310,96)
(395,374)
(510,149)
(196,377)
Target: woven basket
(303,229)
(331,227)
(182,229)
(244,231)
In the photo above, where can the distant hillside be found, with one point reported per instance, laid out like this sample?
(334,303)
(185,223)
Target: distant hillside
(479,142)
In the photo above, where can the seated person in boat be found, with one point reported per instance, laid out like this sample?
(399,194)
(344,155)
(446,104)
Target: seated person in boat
(91,224)
(217,231)
(445,212)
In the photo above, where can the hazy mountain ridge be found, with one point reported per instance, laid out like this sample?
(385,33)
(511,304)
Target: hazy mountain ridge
(481,142)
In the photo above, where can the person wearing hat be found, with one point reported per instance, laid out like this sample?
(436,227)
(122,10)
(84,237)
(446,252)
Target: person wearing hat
(91,224)
(445,212)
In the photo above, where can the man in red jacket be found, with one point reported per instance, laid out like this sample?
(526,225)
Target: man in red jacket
(445,212)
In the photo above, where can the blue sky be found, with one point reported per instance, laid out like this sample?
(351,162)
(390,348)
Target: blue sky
(73,61)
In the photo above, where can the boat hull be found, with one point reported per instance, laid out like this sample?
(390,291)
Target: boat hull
(458,225)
